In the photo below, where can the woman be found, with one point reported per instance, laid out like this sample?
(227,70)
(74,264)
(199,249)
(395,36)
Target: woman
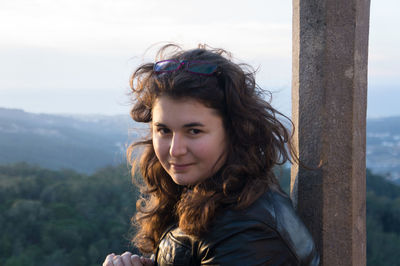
(210,195)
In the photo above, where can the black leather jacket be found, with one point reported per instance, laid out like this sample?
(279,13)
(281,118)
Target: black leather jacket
(266,233)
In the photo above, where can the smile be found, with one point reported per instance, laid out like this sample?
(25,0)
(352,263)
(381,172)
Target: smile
(180,167)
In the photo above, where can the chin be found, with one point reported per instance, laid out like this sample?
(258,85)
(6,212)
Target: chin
(182,180)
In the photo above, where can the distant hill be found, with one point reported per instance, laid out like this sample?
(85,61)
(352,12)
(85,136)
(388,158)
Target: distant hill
(83,143)
(87,142)
(383,147)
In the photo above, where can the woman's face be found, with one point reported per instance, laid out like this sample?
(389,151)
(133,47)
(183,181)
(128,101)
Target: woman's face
(189,139)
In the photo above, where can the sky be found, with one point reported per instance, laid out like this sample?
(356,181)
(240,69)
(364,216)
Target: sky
(75,56)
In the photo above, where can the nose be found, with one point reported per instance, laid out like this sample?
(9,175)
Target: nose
(178,146)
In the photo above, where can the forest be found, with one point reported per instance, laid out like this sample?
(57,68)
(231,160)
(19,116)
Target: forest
(50,217)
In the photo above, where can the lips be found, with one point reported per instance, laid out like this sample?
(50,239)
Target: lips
(180,167)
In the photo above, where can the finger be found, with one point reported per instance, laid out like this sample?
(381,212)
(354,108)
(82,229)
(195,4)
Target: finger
(108,260)
(126,258)
(117,261)
(136,260)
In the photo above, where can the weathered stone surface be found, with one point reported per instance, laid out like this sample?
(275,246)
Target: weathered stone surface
(329,95)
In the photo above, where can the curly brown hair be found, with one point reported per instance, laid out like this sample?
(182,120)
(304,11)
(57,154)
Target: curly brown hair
(257,141)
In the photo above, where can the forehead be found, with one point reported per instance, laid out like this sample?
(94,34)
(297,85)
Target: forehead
(166,108)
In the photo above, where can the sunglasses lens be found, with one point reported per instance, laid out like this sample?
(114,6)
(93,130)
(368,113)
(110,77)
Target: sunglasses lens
(198,67)
(167,65)
(202,68)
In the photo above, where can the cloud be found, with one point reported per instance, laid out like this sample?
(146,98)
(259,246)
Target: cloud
(70,45)
(111,26)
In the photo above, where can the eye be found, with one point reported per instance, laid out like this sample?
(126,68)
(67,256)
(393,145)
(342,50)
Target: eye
(194,131)
(163,130)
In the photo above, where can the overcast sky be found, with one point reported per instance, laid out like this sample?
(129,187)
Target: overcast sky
(75,56)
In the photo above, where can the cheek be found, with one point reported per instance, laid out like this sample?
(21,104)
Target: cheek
(158,148)
(202,151)
(209,150)
(219,148)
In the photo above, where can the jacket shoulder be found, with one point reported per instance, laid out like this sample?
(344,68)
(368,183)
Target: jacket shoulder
(266,232)
(290,227)
(273,214)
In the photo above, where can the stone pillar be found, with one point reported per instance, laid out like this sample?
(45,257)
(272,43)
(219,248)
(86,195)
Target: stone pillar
(329,95)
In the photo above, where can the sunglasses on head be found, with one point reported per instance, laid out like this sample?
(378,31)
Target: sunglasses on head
(197,67)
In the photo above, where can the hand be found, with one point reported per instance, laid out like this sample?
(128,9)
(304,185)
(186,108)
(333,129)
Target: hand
(127,259)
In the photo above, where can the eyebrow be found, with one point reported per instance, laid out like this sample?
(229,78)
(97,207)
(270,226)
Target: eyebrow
(194,124)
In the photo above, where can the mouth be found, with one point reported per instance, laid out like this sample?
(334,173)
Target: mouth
(180,167)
